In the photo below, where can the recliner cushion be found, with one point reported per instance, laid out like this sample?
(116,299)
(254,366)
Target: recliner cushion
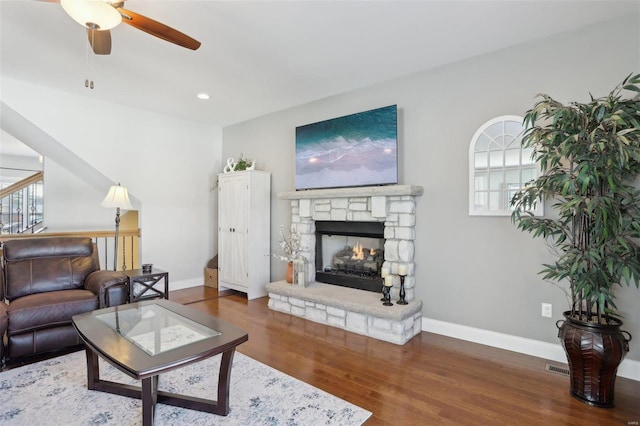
(47,247)
(48,309)
(26,277)
(47,264)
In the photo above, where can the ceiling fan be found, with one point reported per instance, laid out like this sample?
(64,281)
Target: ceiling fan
(100,16)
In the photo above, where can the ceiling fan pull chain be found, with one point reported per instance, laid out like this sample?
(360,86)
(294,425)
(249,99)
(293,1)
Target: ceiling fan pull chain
(89,83)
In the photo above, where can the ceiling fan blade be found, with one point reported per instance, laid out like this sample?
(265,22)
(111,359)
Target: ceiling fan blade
(100,41)
(157,29)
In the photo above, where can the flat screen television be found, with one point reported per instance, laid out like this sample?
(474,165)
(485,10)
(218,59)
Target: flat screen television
(355,150)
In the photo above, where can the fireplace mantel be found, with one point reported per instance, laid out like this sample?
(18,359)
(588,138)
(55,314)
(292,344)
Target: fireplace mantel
(361,191)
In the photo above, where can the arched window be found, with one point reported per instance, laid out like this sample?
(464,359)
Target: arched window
(499,166)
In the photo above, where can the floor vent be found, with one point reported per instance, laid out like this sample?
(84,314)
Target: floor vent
(558,369)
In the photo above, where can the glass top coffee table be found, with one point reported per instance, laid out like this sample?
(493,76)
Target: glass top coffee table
(148,338)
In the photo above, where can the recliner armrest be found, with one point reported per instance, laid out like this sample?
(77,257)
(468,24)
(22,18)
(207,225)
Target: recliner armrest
(111,287)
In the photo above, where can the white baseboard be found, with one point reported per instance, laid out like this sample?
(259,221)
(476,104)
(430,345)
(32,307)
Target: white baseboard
(180,285)
(552,351)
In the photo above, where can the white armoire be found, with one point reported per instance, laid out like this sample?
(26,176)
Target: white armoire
(244,237)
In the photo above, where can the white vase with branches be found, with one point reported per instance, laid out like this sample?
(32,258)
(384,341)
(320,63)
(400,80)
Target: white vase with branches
(291,247)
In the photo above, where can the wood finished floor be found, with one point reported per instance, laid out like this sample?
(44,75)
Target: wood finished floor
(431,380)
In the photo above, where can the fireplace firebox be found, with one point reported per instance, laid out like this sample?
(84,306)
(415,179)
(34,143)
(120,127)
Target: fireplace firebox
(350,254)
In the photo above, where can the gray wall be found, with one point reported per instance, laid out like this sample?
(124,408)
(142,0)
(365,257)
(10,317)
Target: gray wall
(475,271)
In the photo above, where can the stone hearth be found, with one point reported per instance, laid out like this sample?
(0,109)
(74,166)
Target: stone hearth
(359,311)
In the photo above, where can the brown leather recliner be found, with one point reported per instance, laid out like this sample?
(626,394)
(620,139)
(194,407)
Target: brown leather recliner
(46,282)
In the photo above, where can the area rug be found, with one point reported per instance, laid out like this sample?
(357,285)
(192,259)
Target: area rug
(54,392)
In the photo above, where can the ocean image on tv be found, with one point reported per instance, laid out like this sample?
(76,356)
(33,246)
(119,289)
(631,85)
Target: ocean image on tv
(354,150)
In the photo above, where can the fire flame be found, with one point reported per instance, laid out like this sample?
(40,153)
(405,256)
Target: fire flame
(358,252)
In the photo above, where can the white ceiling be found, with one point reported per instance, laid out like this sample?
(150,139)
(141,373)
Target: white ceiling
(262,56)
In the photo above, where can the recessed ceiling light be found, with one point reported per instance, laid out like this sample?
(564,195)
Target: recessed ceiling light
(203,96)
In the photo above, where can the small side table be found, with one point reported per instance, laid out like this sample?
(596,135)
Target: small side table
(147,285)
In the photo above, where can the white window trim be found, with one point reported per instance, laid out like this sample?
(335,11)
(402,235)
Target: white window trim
(538,211)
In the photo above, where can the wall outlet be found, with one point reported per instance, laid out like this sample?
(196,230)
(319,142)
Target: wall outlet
(547,311)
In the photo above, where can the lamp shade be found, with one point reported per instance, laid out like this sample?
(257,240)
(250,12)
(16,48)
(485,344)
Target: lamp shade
(118,196)
(90,13)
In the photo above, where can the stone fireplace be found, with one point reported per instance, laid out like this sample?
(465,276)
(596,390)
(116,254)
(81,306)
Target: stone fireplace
(341,305)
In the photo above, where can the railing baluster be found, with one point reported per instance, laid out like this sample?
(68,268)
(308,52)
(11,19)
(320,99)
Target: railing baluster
(106,254)
(124,253)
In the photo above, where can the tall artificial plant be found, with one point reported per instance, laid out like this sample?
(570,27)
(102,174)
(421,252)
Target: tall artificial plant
(589,156)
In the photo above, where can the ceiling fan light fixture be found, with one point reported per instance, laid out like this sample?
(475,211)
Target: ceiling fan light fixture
(94,14)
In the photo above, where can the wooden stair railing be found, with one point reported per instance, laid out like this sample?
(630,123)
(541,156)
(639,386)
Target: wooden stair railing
(22,184)
(128,245)
(23,209)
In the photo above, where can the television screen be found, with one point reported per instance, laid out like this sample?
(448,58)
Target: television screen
(355,150)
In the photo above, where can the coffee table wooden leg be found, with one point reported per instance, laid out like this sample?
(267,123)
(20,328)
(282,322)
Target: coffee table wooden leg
(224,381)
(93,372)
(149,399)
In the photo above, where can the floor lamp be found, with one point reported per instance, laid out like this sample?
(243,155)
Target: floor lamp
(117,197)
